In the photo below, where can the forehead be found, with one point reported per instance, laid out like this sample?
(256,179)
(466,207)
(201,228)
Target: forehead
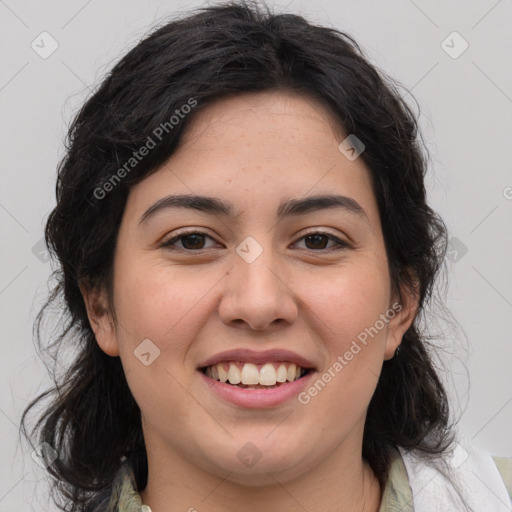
(255,150)
(288,116)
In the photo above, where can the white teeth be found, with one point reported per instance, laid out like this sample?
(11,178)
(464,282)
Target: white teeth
(234,376)
(267,375)
(223,374)
(291,372)
(281,373)
(252,375)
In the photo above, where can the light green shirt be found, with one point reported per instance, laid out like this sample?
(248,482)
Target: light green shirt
(397,496)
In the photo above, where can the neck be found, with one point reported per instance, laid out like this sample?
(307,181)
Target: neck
(339,484)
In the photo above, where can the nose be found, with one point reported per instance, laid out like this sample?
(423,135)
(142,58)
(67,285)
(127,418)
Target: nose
(257,294)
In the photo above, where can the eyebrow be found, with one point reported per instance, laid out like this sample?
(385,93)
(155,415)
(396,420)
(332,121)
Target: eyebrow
(287,208)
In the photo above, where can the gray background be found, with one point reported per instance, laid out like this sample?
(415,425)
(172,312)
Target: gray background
(466,118)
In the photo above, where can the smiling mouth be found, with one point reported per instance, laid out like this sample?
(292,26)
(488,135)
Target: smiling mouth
(255,376)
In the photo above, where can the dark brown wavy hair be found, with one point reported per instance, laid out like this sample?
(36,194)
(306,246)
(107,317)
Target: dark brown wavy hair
(91,417)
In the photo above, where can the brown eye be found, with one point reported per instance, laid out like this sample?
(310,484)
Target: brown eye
(194,241)
(318,241)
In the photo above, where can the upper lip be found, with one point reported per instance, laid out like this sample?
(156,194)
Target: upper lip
(258,357)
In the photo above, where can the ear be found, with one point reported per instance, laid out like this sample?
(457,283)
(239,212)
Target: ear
(100,317)
(405,308)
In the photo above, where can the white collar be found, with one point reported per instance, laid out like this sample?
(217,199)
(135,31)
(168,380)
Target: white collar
(474,482)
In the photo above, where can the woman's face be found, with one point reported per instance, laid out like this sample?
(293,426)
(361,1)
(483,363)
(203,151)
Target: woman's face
(276,273)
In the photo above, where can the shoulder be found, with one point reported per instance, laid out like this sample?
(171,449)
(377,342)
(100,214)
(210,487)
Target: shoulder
(466,476)
(122,494)
(397,495)
(504,466)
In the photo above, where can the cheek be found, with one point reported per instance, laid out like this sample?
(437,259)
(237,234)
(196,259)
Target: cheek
(159,304)
(350,300)
(169,306)
(348,309)
(153,300)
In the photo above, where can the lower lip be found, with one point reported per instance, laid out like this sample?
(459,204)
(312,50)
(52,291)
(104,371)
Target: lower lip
(257,398)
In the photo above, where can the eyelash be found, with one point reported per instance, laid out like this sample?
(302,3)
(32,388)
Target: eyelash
(341,243)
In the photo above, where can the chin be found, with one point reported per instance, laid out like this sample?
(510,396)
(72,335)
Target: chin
(258,463)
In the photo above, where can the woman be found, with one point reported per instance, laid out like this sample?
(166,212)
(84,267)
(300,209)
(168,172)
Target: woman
(245,250)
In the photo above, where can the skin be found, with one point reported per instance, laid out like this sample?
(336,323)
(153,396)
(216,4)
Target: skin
(255,151)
